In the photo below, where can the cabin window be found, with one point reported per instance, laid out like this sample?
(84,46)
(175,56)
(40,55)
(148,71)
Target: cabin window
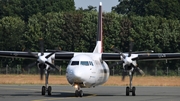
(75,63)
(85,63)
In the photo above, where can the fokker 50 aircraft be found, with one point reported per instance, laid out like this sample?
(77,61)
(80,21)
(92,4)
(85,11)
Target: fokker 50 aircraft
(88,69)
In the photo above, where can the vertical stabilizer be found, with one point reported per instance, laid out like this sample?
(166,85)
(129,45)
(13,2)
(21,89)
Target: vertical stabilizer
(98,48)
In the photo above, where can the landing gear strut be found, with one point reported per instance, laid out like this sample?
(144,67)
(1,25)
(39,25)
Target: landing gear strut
(46,88)
(78,92)
(130,88)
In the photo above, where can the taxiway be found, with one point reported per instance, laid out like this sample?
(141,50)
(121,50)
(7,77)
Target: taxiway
(100,93)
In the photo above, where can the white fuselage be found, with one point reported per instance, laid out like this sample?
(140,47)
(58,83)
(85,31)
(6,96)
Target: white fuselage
(87,70)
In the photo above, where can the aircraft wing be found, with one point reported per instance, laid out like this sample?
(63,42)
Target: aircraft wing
(158,56)
(17,54)
(64,55)
(104,56)
(141,56)
(20,54)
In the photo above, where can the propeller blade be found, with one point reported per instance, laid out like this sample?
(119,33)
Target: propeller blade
(134,58)
(32,64)
(52,65)
(117,51)
(130,48)
(29,52)
(116,63)
(41,67)
(51,50)
(41,73)
(140,71)
(123,55)
(57,49)
(149,51)
(41,46)
(49,55)
(123,75)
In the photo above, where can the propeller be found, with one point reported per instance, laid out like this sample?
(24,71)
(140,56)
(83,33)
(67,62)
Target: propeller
(42,59)
(129,61)
(130,48)
(57,49)
(117,51)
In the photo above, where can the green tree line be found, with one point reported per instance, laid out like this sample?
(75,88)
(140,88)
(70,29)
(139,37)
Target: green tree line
(169,9)
(26,8)
(75,30)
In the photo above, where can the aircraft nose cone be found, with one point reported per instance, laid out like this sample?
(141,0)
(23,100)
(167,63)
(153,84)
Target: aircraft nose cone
(77,74)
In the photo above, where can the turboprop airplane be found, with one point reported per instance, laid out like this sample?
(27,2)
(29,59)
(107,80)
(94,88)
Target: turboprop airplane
(87,69)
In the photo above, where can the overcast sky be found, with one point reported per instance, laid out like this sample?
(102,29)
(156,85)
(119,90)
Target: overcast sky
(106,4)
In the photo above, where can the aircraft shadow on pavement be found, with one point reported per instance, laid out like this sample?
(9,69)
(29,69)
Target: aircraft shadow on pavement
(71,94)
(66,94)
(20,94)
(54,94)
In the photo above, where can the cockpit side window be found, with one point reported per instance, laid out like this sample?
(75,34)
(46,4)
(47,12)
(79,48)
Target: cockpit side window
(75,63)
(90,63)
(85,63)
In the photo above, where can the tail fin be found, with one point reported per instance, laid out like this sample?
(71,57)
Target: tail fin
(99,48)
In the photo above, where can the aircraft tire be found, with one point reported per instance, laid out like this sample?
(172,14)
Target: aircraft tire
(43,91)
(127,91)
(76,93)
(49,90)
(81,93)
(133,91)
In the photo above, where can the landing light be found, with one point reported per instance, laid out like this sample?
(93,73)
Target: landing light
(76,86)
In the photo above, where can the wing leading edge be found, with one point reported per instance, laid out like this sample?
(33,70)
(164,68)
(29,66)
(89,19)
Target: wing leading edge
(159,56)
(20,54)
(142,56)
(17,54)
(104,56)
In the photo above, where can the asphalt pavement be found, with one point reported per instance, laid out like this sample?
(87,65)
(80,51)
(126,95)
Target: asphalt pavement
(100,93)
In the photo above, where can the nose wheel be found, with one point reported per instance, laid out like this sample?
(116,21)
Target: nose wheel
(78,93)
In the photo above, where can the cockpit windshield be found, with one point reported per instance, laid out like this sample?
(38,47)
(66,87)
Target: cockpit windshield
(85,63)
(75,63)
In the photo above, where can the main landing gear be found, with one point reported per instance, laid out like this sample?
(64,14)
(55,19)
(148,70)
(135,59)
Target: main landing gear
(78,92)
(46,89)
(130,88)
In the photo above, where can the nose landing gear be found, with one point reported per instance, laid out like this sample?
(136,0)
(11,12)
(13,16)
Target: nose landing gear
(78,92)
